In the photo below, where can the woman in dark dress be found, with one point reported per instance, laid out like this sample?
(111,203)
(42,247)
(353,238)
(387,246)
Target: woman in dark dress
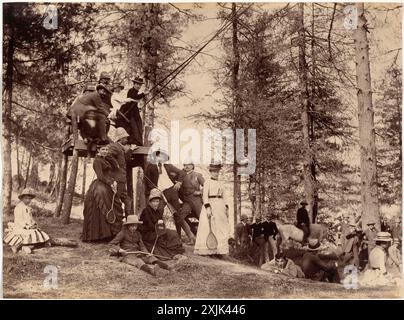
(168,243)
(102,212)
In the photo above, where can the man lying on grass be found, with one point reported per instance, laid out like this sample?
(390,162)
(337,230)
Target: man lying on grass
(130,246)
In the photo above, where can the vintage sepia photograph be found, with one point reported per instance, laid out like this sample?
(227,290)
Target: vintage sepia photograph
(222,150)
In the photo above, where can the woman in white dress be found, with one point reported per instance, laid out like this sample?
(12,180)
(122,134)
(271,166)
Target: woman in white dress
(24,232)
(215,207)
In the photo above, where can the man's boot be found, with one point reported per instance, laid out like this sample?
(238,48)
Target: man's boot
(188,232)
(148,269)
(163,265)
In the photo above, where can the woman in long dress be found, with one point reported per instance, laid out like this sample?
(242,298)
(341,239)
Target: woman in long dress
(215,207)
(24,232)
(102,212)
(168,243)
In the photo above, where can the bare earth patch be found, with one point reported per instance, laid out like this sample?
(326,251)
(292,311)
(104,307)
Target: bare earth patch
(89,272)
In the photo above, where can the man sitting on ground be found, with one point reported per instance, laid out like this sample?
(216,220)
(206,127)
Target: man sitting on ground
(316,268)
(130,240)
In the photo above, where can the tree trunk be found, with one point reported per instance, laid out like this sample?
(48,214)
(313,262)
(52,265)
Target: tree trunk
(28,168)
(33,176)
(68,201)
(369,192)
(62,186)
(236,104)
(62,175)
(8,95)
(17,147)
(83,186)
(308,161)
(52,171)
(312,129)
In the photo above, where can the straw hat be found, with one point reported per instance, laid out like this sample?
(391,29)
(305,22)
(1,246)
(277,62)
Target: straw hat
(304,203)
(27,192)
(383,236)
(154,193)
(119,134)
(132,219)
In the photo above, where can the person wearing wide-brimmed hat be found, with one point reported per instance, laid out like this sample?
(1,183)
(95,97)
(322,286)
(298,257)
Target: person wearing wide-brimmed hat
(128,240)
(24,232)
(120,150)
(378,255)
(166,242)
(303,220)
(316,268)
(215,212)
(105,78)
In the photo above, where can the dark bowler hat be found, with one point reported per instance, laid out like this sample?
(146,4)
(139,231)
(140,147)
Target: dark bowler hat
(304,203)
(103,86)
(215,166)
(138,80)
(314,245)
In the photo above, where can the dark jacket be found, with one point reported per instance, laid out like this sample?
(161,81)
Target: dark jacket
(90,101)
(270,229)
(302,216)
(103,168)
(242,235)
(149,218)
(192,182)
(152,174)
(130,241)
(121,156)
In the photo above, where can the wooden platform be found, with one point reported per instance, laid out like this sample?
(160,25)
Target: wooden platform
(82,149)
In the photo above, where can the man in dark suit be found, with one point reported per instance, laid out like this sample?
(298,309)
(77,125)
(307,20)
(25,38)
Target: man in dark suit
(120,150)
(93,107)
(167,178)
(303,220)
(242,234)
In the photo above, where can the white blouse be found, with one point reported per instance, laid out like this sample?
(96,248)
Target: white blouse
(23,216)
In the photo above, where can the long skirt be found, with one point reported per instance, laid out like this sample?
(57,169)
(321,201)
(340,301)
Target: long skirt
(100,222)
(168,244)
(17,237)
(220,228)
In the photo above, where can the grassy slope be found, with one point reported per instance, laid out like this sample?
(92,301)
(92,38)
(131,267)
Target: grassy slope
(88,272)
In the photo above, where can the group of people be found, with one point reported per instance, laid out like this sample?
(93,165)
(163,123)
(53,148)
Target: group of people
(141,239)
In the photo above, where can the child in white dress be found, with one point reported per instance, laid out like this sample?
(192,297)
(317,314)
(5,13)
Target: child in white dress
(24,233)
